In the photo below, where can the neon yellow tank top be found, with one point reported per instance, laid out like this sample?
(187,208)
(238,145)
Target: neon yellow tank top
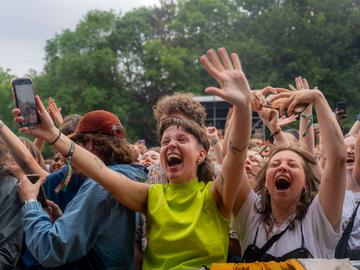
(186,230)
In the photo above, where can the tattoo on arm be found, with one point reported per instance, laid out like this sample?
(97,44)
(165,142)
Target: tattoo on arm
(99,162)
(234,149)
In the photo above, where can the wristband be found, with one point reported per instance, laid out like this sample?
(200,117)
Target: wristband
(71,150)
(57,138)
(30,201)
(305,116)
(276,132)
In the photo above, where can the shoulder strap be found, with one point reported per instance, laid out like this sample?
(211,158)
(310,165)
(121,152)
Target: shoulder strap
(272,240)
(341,247)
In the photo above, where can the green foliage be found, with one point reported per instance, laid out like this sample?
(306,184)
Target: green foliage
(7,103)
(125,62)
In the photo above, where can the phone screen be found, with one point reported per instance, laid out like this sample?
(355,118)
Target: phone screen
(341,109)
(141,141)
(42,196)
(25,101)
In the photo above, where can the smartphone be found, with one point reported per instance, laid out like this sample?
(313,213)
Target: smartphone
(24,97)
(341,109)
(141,141)
(42,196)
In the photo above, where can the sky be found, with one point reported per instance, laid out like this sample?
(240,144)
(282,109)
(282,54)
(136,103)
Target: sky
(26,25)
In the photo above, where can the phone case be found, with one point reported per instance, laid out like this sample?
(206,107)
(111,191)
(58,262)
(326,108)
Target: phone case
(28,105)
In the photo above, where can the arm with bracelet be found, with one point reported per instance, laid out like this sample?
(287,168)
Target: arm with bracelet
(270,118)
(131,194)
(306,130)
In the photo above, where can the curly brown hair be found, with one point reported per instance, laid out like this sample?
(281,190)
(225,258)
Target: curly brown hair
(183,103)
(307,196)
(205,170)
(110,149)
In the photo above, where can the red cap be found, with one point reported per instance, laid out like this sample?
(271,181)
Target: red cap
(102,122)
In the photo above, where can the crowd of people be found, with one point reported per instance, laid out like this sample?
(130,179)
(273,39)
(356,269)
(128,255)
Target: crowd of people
(199,197)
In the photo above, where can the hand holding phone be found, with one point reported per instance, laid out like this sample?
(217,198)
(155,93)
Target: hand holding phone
(41,196)
(24,98)
(340,109)
(141,141)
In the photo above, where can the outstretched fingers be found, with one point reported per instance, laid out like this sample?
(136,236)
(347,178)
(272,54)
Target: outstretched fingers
(225,58)
(215,91)
(210,67)
(214,58)
(306,84)
(236,61)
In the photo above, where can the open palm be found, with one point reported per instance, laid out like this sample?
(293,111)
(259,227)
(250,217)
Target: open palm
(229,74)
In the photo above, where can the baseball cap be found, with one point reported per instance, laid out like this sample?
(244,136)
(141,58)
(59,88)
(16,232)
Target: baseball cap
(101,122)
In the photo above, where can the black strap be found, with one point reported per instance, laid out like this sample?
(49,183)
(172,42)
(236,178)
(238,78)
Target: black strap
(271,241)
(342,246)
(302,235)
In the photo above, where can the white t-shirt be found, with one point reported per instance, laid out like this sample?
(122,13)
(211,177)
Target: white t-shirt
(350,201)
(320,238)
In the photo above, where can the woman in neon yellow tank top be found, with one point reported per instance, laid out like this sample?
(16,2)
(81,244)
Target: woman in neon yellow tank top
(188,217)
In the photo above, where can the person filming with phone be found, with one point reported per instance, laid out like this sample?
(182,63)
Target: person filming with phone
(95,231)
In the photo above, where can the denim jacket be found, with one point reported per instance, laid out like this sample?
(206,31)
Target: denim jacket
(93,221)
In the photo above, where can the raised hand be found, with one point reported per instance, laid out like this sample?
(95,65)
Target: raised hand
(296,98)
(55,112)
(228,73)
(262,98)
(46,130)
(28,190)
(287,120)
(301,84)
(270,117)
(212,133)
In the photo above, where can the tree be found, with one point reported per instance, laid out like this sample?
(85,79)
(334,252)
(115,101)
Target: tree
(125,62)
(7,103)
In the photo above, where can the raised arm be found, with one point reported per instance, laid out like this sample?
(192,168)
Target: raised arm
(306,130)
(355,129)
(356,169)
(235,90)
(212,133)
(20,153)
(131,194)
(270,118)
(333,179)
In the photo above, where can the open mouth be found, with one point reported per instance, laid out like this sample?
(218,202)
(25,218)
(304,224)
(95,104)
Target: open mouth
(173,160)
(282,183)
(350,160)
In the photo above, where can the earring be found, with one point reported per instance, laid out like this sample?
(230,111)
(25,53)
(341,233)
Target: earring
(304,192)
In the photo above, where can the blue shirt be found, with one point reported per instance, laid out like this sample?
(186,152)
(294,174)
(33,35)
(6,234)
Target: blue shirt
(63,197)
(93,220)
